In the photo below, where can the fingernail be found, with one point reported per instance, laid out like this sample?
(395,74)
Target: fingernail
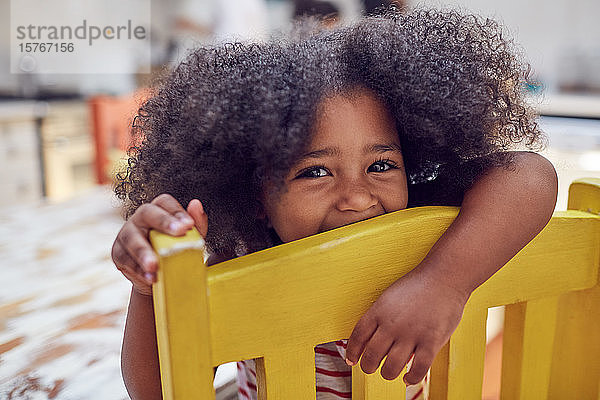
(200,208)
(350,363)
(149,277)
(175,226)
(186,220)
(148,261)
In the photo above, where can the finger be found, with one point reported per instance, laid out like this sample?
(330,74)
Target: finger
(173,207)
(377,347)
(362,332)
(135,243)
(121,258)
(423,359)
(141,284)
(396,359)
(128,267)
(196,210)
(152,216)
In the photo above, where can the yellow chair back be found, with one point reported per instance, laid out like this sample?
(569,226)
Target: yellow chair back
(276,305)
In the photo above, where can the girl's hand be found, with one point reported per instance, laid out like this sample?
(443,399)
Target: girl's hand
(416,316)
(132,253)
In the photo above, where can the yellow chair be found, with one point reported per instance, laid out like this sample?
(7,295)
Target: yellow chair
(313,291)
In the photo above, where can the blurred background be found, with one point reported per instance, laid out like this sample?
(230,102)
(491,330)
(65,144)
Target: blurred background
(62,302)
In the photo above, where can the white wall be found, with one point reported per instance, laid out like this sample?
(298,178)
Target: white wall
(561,38)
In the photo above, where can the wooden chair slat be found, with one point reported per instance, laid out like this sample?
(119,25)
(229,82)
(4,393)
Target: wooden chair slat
(286,374)
(457,372)
(373,386)
(182,320)
(529,331)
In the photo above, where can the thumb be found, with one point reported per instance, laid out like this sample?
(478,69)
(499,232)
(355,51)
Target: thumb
(196,210)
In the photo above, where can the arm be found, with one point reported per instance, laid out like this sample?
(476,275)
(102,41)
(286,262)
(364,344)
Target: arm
(500,214)
(139,354)
(503,211)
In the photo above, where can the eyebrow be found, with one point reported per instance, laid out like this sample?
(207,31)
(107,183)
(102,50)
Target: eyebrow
(326,152)
(334,151)
(382,148)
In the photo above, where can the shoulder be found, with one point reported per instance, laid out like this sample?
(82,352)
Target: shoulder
(448,187)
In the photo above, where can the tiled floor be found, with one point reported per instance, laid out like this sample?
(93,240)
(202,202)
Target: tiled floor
(62,302)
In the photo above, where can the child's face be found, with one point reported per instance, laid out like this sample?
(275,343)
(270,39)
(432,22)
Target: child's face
(353,170)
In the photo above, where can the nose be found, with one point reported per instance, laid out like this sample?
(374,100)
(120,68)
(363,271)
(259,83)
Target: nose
(355,195)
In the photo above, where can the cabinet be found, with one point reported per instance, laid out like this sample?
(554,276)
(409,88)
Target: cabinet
(20,167)
(68,149)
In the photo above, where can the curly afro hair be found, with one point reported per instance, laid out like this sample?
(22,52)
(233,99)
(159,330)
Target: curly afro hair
(231,117)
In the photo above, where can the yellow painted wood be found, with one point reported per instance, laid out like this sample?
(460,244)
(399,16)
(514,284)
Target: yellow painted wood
(374,387)
(367,266)
(182,321)
(296,291)
(438,388)
(512,350)
(287,373)
(584,195)
(467,355)
(313,290)
(545,266)
(457,374)
(528,340)
(576,356)
(358,383)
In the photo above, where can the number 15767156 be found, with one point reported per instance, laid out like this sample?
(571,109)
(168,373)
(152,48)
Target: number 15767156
(46,47)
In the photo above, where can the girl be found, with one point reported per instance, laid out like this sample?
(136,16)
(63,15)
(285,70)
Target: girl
(269,143)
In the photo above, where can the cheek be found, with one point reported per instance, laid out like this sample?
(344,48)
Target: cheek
(395,197)
(293,216)
(394,201)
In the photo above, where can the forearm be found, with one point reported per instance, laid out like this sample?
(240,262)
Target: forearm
(503,211)
(139,356)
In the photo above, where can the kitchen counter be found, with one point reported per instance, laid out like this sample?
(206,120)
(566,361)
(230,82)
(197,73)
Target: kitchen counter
(568,105)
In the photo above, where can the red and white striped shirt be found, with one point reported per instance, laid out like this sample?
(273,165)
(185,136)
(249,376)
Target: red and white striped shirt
(333,376)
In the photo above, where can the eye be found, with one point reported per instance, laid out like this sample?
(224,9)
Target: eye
(382,166)
(313,172)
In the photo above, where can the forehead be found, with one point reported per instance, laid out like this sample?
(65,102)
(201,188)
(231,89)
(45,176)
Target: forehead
(354,117)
